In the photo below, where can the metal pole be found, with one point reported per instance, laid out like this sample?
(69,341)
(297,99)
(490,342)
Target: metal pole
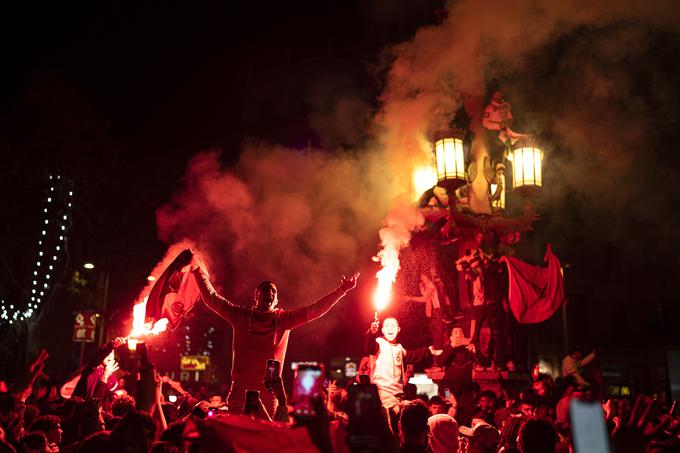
(565,329)
(102,319)
(82,353)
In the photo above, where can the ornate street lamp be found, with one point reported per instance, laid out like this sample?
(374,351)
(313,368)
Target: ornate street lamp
(527,159)
(448,150)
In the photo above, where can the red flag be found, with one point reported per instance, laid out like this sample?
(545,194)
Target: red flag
(535,293)
(241,433)
(174,294)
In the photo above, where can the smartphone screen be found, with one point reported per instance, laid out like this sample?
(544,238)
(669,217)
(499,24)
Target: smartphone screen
(447,393)
(272,371)
(588,427)
(307,385)
(252,405)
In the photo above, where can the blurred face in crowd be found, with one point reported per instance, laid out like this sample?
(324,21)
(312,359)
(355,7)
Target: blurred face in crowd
(109,359)
(54,435)
(390,329)
(485,403)
(216,401)
(540,388)
(266,296)
(456,336)
(526,409)
(437,408)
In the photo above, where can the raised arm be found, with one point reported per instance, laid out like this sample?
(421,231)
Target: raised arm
(414,299)
(291,319)
(418,355)
(586,360)
(214,301)
(370,345)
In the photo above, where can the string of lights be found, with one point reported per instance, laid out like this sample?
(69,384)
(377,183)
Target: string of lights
(51,248)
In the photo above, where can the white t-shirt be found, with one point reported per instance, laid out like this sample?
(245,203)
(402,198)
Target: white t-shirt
(388,371)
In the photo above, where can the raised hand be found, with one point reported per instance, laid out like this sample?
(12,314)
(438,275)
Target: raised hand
(349,283)
(39,363)
(29,375)
(110,367)
(332,387)
(434,351)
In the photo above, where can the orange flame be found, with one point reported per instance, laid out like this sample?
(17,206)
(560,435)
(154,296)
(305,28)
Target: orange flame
(140,328)
(394,236)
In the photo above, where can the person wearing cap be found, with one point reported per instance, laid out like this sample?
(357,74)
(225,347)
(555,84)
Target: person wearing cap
(480,438)
(443,433)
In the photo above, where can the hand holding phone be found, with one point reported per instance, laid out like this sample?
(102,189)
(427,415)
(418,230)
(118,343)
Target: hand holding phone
(272,372)
(252,406)
(588,427)
(307,386)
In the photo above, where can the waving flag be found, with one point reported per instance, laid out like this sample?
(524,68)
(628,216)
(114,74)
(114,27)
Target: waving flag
(535,293)
(175,292)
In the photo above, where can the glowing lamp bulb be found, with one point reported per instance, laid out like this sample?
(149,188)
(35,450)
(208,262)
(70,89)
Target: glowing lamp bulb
(88,266)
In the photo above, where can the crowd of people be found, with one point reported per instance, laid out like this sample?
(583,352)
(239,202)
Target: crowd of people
(376,411)
(101,415)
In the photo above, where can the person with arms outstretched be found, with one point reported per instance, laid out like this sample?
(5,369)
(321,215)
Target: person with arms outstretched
(260,332)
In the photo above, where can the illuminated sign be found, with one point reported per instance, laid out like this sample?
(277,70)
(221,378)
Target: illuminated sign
(84,327)
(194,362)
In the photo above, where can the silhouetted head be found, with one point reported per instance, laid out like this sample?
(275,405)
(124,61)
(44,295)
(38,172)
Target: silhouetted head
(266,296)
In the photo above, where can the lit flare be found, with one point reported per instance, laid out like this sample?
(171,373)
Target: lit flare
(394,236)
(141,328)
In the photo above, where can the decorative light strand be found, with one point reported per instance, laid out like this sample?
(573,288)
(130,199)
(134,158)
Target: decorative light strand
(53,235)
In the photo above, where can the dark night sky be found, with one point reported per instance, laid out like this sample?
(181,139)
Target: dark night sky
(157,83)
(122,94)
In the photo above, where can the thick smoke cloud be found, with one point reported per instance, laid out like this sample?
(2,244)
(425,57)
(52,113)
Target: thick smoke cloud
(572,71)
(300,219)
(582,75)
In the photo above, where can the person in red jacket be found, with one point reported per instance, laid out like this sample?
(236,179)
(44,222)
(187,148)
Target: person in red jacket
(260,332)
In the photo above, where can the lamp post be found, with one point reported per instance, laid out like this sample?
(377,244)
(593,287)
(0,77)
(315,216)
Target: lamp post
(448,151)
(527,160)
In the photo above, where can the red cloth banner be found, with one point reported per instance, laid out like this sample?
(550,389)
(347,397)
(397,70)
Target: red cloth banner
(240,434)
(535,292)
(174,294)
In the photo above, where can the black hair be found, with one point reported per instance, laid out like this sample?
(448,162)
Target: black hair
(263,285)
(537,436)
(489,394)
(436,400)
(413,421)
